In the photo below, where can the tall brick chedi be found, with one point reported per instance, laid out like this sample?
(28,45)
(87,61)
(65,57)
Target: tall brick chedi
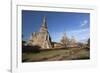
(41,38)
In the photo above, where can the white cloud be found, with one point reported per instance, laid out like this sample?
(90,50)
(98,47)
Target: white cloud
(84,23)
(80,34)
(79,31)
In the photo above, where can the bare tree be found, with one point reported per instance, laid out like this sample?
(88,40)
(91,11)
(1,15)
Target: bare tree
(64,40)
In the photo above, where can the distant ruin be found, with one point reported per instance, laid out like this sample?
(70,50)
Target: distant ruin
(43,39)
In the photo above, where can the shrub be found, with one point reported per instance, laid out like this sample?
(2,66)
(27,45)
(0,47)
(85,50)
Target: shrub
(34,49)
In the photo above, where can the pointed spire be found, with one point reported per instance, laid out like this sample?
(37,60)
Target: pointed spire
(44,24)
(44,19)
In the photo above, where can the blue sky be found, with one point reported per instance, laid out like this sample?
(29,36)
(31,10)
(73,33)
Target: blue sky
(74,24)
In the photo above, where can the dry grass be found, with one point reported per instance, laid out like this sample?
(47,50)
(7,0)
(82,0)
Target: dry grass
(56,55)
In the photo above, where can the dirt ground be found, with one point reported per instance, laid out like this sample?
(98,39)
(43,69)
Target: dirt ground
(56,55)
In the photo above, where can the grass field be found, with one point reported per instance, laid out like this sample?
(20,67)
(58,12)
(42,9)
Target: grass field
(56,55)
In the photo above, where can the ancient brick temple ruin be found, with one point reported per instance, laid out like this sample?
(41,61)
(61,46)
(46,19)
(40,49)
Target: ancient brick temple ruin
(41,38)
